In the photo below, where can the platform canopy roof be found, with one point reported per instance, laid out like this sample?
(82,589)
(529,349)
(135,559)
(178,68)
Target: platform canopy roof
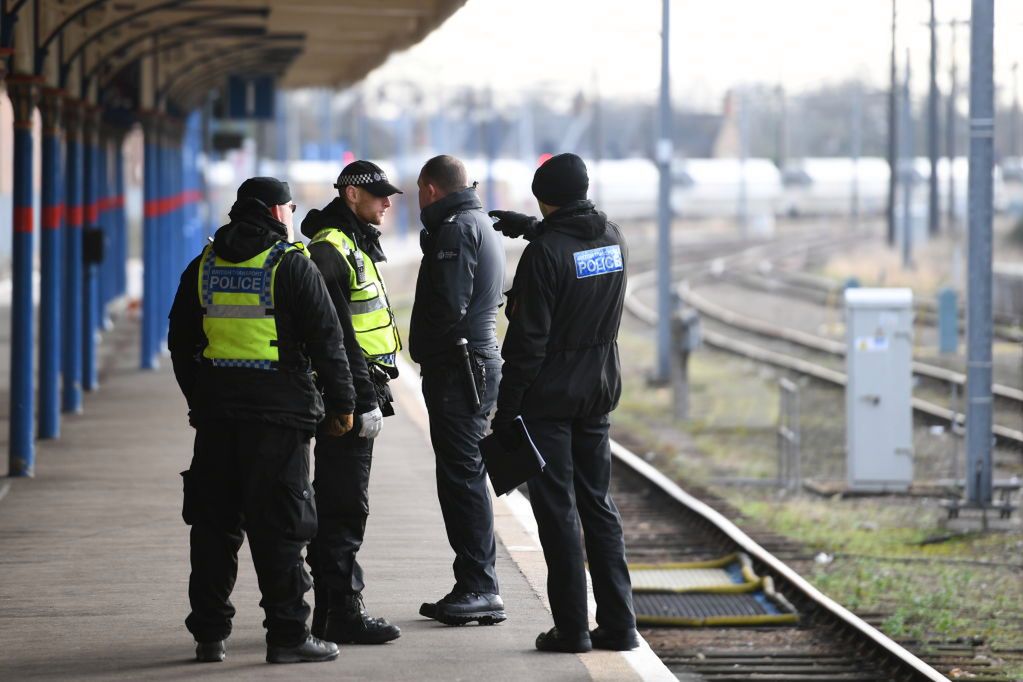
(177,50)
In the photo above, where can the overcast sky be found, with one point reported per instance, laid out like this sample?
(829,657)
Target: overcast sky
(572,45)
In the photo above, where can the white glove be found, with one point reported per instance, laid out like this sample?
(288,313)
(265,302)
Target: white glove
(371,423)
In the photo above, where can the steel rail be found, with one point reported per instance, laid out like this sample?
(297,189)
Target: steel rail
(1010,436)
(817,288)
(891,650)
(818,343)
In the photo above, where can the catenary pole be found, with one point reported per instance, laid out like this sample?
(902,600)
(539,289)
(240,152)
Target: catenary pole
(893,170)
(950,131)
(906,168)
(933,209)
(978,309)
(664,156)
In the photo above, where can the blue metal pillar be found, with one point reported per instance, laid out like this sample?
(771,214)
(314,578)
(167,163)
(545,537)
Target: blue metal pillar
(90,279)
(106,270)
(166,239)
(150,245)
(71,340)
(23,93)
(194,185)
(175,211)
(120,223)
(188,186)
(51,268)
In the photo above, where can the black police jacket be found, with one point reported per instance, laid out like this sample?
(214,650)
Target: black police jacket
(461,277)
(564,309)
(337,275)
(308,333)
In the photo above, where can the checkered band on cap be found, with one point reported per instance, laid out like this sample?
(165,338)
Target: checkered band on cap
(361,179)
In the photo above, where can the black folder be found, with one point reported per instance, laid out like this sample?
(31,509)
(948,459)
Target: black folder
(511,457)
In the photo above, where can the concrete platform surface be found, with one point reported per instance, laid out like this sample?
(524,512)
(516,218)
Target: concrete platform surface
(94,559)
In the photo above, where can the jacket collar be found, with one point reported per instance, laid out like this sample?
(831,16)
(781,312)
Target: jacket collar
(434,215)
(337,214)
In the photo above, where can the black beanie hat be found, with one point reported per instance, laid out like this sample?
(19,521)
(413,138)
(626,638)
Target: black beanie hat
(561,180)
(270,191)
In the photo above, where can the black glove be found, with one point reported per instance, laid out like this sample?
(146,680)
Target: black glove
(512,224)
(505,432)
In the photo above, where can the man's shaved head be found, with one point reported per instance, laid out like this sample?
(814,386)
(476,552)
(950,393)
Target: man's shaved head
(446,173)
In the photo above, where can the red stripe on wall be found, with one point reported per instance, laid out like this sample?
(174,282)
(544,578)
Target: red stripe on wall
(110,203)
(158,207)
(52,216)
(74,216)
(92,213)
(23,219)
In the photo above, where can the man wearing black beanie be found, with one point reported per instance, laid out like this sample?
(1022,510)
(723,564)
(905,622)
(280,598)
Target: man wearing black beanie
(561,374)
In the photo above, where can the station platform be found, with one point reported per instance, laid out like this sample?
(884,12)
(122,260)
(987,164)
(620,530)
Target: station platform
(94,557)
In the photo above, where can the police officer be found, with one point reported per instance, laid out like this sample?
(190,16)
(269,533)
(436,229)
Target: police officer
(250,323)
(345,247)
(458,291)
(562,375)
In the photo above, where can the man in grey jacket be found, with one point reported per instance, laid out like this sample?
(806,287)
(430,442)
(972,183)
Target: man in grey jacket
(458,291)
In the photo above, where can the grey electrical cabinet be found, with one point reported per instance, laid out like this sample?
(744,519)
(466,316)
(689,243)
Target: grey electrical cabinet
(879,391)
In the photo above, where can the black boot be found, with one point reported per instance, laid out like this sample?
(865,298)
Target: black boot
(615,640)
(348,623)
(568,643)
(459,608)
(320,592)
(312,650)
(210,652)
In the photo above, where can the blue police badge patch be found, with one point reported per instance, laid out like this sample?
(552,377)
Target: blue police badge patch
(602,261)
(237,280)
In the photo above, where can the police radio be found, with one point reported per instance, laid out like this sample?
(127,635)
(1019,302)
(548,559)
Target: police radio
(359,265)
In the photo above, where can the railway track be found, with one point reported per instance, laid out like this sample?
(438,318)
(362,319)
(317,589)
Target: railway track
(825,291)
(664,523)
(1009,398)
(830,643)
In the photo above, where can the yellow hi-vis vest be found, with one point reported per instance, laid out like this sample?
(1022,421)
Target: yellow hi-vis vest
(371,310)
(238,308)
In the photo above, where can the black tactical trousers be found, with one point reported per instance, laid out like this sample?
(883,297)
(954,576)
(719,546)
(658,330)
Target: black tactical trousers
(456,428)
(573,491)
(341,481)
(251,477)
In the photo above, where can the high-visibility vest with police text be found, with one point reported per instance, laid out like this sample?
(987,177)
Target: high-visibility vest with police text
(372,318)
(238,307)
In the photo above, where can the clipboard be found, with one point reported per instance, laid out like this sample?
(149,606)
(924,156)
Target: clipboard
(511,458)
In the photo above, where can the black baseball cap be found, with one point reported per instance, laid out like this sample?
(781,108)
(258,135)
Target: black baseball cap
(270,191)
(368,176)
